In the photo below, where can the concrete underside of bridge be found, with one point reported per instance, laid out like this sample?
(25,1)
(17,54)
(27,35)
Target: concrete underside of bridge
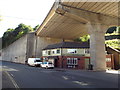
(70,20)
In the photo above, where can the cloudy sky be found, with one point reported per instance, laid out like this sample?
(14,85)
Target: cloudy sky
(29,12)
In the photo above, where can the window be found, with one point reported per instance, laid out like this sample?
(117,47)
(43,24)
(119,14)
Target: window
(50,63)
(53,52)
(44,52)
(49,52)
(16,57)
(37,61)
(44,63)
(87,51)
(72,61)
(44,58)
(108,59)
(58,51)
(68,60)
(75,61)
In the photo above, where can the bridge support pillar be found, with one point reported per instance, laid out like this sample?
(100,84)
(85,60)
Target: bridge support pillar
(97,46)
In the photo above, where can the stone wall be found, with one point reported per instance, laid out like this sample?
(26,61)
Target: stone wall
(16,52)
(0,48)
(26,47)
(31,41)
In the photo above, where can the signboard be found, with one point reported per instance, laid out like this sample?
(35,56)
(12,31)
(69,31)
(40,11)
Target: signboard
(71,50)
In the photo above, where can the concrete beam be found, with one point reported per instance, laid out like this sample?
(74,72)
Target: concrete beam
(87,16)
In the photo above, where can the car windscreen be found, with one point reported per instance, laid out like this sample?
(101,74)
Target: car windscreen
(44,63)
(37,61)
(50,63)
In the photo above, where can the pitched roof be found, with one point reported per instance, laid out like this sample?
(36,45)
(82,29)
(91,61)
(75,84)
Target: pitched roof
(68,45)
(113,49)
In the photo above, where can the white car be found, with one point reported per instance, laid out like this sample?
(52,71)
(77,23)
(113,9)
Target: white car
(34,61)
(47,65)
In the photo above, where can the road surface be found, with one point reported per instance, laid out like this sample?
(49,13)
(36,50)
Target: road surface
(23,76)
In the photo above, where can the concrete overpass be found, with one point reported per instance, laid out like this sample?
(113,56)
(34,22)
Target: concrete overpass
(70,19)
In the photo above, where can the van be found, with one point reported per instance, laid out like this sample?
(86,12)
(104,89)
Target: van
(34,61)
(47,65)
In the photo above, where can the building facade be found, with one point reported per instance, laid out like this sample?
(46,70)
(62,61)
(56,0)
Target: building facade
(71,55)
(116,57)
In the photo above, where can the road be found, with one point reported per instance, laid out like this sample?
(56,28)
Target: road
(23,76)
(0,75)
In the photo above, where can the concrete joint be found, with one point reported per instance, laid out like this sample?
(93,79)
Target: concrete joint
(96,27)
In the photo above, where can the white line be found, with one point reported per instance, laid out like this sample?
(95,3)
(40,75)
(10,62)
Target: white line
(12,75)
(80,83)
(13,81)
(65,77)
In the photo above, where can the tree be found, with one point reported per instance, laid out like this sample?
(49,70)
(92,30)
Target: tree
(0,18)
(36,27)
(84,38)
(12,35)
(111,30)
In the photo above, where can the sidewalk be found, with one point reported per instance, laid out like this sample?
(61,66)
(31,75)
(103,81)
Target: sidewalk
(0,80)
(6,81)
(107,71)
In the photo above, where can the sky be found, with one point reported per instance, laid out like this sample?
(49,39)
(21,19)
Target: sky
(28,12)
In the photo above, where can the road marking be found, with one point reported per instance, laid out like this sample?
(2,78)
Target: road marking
(12,75)
(13,81)
(65,77)
(80,83)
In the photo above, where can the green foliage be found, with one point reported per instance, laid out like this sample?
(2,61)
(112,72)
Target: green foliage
(84,38)
(111,30)
(36,27)
(114,32)
(12,35)
(113,43)
(0,18)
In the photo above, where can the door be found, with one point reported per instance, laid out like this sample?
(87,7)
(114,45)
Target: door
(87,62)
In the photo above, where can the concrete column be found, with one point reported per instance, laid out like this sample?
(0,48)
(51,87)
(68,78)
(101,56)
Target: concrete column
(97,45)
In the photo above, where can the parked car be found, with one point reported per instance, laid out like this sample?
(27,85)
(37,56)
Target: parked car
(47,65)
(34,61)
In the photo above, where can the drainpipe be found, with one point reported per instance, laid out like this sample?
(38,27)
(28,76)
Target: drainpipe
(26,49)
(62,53)
(61,58)
(36,46)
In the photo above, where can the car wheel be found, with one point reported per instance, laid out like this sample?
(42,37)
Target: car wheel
(40,66)
(46,67)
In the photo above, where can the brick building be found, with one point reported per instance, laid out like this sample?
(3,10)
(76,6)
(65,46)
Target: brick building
(71,55)
(116,57)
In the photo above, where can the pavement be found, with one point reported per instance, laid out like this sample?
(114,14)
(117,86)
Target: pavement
(0,75)
(0,80)
(24,76)
(7,80)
